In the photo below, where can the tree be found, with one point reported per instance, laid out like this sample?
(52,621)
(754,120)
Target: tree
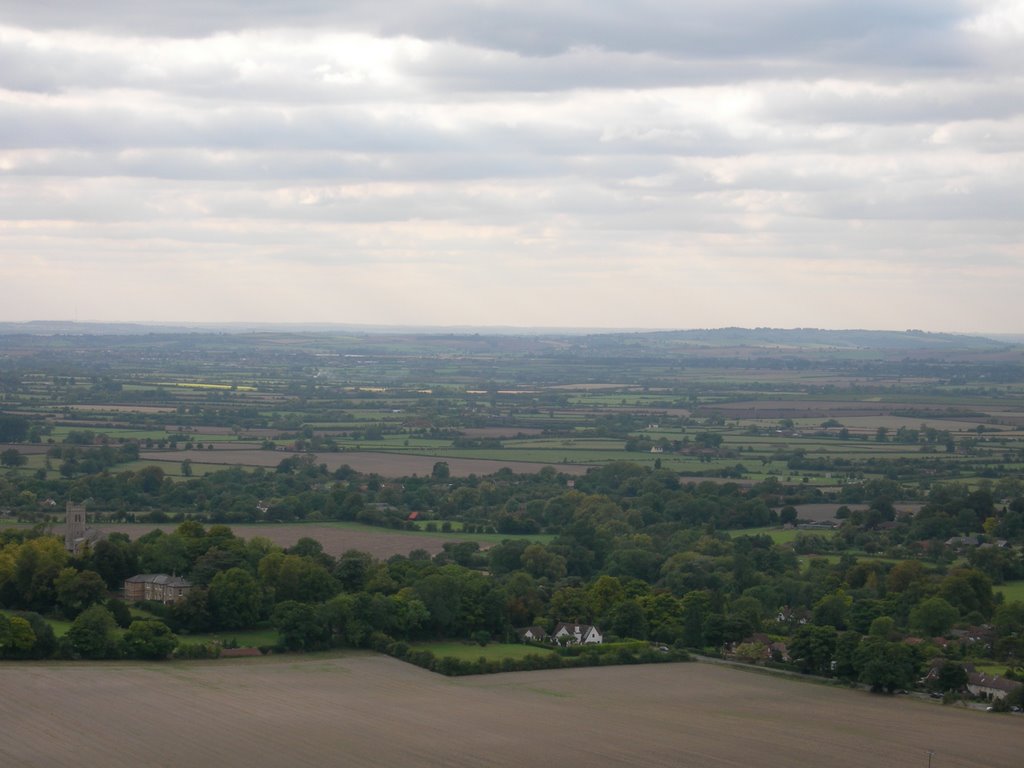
(884,627)
(121,613)
(949,676)
(696,607)
(150,479)
(12,458)
(904,574)
(885,665)
(93,635)
(29,584)
(16,636)
(933,617)
(968,590)
(833,610)
(813,648)
(77,590)
(540,562)
(167,553)
(113,561)
(440,470)
(293,577)
(846,649)
(628,620)
(149,639)
(352,570)
(45,644)
(604,595)
(235,599)
(13,429)
(302,627)
(193,613)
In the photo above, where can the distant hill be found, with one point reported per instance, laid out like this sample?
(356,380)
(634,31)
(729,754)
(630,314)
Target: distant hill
(819,338)
(731,341)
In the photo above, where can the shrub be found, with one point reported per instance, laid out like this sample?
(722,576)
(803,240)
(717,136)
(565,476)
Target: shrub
(196,651)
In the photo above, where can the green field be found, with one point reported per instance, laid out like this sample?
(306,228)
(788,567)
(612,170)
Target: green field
(60,626)
(249,637)
(1012,591)
(473,651)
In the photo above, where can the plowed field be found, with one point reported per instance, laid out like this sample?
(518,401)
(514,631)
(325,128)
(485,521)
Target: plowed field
(380,543)
(367,710)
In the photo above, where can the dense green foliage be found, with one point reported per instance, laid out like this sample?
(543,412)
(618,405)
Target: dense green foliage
(672,538)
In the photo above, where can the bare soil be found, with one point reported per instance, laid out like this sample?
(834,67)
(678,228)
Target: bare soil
(820,513)
(366,710)
(335,540)
(500,431)
(131,408)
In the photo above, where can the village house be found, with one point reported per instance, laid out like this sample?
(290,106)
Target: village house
(792,617)
(767,649)
(532,634)
(978,638)
(582,634)
(156,586)
(960,543)
(990,687)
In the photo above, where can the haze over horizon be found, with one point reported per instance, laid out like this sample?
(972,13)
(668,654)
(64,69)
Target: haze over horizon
(604,165)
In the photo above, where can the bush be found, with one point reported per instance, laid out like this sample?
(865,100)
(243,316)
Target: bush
(196,651)
(149,639)
(423,659)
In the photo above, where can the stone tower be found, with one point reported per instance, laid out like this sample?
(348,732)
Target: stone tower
(74,525)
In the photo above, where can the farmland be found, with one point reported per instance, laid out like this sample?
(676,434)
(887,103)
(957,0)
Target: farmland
(825,414)
(366,710)
(394,464)
(843,510)
(337,538)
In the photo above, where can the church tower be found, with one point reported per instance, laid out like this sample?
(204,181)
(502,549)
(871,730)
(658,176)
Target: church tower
(74,525)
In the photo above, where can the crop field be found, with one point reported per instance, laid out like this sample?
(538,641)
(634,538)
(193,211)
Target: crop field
(338,538)
(359,709)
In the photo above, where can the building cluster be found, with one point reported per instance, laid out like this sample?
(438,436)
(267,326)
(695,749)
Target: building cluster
(565,633)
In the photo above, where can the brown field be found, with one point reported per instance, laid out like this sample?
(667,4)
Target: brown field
(27,449)
(840,409)
(335,540)
(820,513)
(360,709)
(108,408)
(384,464)
(499,431)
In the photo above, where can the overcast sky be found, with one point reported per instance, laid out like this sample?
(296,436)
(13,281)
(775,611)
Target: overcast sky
(599,163)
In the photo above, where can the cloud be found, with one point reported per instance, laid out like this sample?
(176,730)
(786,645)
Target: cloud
(603,163)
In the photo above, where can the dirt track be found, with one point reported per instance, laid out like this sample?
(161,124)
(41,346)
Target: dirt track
(367,710)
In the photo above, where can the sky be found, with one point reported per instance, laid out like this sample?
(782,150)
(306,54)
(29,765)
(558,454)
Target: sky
(566,163)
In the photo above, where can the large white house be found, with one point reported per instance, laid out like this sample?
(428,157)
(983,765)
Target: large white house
(565,634)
